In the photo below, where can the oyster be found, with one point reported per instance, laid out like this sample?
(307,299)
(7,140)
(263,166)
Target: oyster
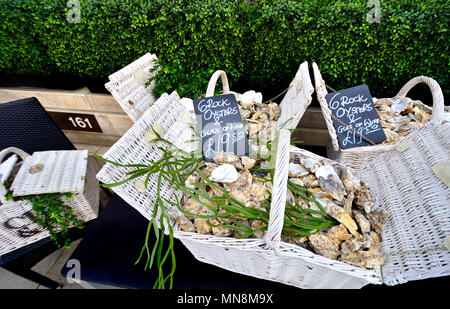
(202,226)
(350,245)
(364,224)
(248,98)
(365,259)
(377,219)
(340,215)
(274,111)
(330,182)
(364,199)
(258,225)
(220,231)
(247,162)
(350,181)
(225,173)
(227,157)
(296,170)
(311,164)
(339,233)
(399,105)
(325,246)
(390,135)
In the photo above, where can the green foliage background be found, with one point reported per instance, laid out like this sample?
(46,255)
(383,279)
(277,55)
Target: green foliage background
(260,44)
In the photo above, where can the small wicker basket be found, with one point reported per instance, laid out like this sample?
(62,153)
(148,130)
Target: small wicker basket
(359,156)
(43,172)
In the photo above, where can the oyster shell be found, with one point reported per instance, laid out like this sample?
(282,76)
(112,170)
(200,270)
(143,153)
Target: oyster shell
(364,199)
(202,226)
(274,111)
(340,215)
(390,135)
(256,225)
(225,173)
(325,246)
(350,245)
(363,223)
(248,98)
(311,164)
(350,181)
(330,182)
(365,259)
(371,241)
(339,233)
(297,170)
(399,105)
(227,157)
(185,224)
(377,219)
(247,162)
(220,231)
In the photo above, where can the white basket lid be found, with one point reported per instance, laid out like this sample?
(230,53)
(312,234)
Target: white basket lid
(51,172)
(127,86)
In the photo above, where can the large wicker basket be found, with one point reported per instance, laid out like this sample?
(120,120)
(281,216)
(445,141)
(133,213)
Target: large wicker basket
(359,156)
(254,257)
(54,172)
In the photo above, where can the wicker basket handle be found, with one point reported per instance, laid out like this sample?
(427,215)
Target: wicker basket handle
(436,92)
(321,92)
(279,191)
(213,81)
(15,150)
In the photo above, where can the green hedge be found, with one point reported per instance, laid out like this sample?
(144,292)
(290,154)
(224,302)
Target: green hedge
(260,44)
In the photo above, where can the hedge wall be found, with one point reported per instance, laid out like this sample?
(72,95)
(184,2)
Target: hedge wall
(260,44)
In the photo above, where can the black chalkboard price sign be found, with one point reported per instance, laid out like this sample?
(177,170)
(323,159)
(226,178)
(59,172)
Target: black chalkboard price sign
(357,116)
(220,125)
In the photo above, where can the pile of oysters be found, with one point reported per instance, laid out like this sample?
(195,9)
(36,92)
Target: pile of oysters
(233,173)
(401,116)
(356,240)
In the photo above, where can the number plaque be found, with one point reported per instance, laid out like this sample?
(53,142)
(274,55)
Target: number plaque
(76,122)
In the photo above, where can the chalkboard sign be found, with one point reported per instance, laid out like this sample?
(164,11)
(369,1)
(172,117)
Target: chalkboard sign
(220,125)
(355,109)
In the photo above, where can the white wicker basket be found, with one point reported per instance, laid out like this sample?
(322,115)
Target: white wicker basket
(254,257)
(271,258)
(358,156)
(127,86)
(56,172)
(404,181)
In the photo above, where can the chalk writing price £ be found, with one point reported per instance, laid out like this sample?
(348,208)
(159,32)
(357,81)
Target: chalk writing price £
(357,117)
(220,125)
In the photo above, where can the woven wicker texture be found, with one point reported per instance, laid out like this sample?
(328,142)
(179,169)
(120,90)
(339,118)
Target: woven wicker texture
(418,203)
(17,228)
(127,86)
(297,99)
(61,171)
(131,148)
(359,156)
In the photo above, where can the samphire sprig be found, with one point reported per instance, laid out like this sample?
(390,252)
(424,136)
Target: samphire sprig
(175,166)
